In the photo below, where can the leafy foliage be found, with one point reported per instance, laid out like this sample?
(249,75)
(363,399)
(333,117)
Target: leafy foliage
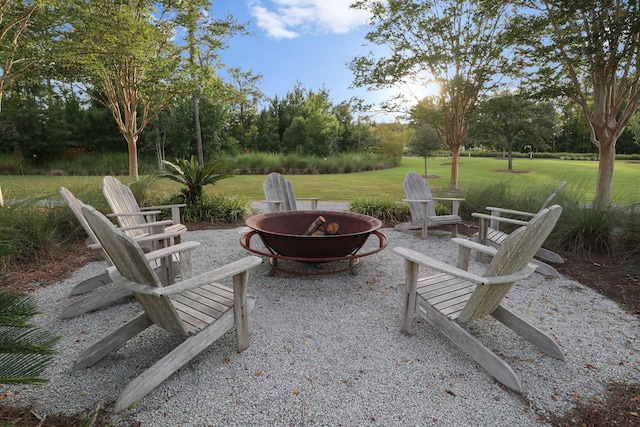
(189,173)
(25,350)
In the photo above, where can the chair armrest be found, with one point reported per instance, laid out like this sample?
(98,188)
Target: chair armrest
(499,218)
(314,201)
(153,237)
(470,244)
(443,267)
(416,200)
(145,213)
(455,202)
(178,205)
(228,270)
(175,210)
(148,225)
(449,199)
(277,204)
(152,256)
(510,212)
(170,250)
(427,261)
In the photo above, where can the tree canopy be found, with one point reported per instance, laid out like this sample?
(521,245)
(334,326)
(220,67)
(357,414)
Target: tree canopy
(588,51)
(460,44)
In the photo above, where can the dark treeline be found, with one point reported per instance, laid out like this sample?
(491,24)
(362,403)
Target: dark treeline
(42,123)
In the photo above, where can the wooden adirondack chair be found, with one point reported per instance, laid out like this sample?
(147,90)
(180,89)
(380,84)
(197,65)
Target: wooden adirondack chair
(196,307)
(490,234)
(456,296)
(423,210)
(279,194)
(127,211)
(111,294)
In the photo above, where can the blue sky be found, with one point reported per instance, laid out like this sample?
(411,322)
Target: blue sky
(309,41)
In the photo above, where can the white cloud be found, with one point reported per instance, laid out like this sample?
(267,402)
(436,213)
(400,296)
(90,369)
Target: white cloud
(289,19)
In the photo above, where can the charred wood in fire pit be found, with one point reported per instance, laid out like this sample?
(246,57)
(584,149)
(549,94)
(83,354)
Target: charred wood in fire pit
(319,222)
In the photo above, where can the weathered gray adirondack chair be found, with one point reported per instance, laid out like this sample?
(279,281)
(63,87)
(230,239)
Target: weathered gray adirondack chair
(490,234)
(127,211)
(456,296)
(196,307)
(110,294)
(423,210)
(279,194)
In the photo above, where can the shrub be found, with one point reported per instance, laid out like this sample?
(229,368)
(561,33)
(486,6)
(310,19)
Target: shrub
(585,229)
(218,208)
(31,231)
(383,208)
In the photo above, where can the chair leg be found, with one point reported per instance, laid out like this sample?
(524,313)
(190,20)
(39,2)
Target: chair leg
(94,301)
(178,357)
(474,348)
(528,332)
(241,310)
(112,341)
(408,296)
(90,284)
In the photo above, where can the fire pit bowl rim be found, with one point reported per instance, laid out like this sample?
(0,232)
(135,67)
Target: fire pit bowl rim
(283,233)
(254,220)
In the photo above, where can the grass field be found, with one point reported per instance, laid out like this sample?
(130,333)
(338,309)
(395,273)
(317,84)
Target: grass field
(474,172)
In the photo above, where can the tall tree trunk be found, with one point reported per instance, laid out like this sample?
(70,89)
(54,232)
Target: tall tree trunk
(132,144)
(606,162)
(455,162)
(510,156)
(197,130)
(159,145)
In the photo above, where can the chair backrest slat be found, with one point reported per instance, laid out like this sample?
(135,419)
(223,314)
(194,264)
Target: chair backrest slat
(121,200)
(417,188)
(514,254)
(553,195)
(278,188)
(76,205)
(129,259)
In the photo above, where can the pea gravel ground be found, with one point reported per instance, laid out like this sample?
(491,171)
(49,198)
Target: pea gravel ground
(327,350)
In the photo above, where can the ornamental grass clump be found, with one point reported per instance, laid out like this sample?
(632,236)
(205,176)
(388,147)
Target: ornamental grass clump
(383,208)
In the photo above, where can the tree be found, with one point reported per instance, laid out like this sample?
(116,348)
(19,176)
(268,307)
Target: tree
(589,51)
(17,56)
(425,141)
(244,105)
(458,43)
(126,60)
(205,37)
(512,118)
(391,138)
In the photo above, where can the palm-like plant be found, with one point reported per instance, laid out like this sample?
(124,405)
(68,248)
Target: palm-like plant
(25,350)
(189,173)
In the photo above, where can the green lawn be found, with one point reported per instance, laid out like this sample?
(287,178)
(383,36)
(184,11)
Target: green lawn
(580,175)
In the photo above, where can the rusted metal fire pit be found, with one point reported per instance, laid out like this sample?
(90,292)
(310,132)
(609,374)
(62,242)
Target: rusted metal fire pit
(282,235)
